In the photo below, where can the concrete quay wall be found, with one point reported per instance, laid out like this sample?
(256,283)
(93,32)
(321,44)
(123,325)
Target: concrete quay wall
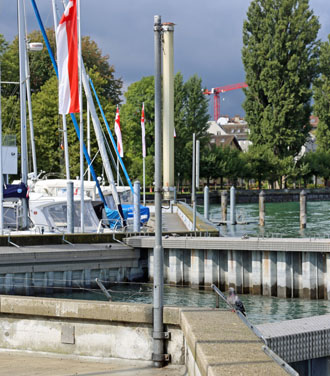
(270,267)
(210,342)
(30,270)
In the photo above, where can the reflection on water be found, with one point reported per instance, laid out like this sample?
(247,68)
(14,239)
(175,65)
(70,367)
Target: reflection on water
(281,220)
(259,309)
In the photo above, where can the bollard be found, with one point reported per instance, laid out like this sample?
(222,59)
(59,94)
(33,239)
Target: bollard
(70,208)
(232,206)
(224,201)
(303,205)
(206,202)
(262,208)
(136,213)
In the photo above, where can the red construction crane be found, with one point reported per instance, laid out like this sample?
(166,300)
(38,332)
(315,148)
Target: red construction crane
(222,89)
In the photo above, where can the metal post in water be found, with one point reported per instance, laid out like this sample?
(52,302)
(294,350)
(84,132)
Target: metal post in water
(303,211)
(136,214)
(193,182)
(158,356)
(262,208)
(233,206)
(70,207)
(206,202)
(197,163)
(224,201)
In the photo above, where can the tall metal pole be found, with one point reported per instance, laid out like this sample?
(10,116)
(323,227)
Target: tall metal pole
(88,137)
(158,340)
(197,163)
(65,129)
(28,93)
(193,182)
(144,181)
(1,174)
(22,53)
(81,125)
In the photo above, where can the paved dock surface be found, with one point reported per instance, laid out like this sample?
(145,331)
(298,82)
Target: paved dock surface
(26,364)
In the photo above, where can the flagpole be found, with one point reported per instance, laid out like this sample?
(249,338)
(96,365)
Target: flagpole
(88,137)
(82,221)
(117,172)
(144,181)
(65,129)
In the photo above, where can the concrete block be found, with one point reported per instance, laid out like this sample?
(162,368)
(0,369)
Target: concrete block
(175,266)
(256,273)
(283,275)
(247,272)
(235,270)
(197,267)
(309,275)
(211,267)
(269,273)
(223,270)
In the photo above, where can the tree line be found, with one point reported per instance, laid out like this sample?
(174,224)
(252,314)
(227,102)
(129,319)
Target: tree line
(288,78)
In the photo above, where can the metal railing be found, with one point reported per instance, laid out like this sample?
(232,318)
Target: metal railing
(265,348)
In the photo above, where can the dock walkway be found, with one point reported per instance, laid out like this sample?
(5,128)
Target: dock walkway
(27,364)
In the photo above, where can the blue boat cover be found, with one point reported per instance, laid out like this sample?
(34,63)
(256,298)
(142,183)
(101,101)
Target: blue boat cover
(128,210)
(15,190)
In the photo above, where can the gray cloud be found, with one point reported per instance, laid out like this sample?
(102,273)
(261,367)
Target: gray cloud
(208,36)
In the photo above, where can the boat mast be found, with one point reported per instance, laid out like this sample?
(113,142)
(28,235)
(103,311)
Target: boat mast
(28,92)
(22,75)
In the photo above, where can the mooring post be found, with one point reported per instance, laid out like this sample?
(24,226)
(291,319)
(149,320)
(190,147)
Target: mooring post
(136,213)
(232,206)
(70,207)
(303,215)
(262,208)
(206,202)
(158,355)
(224,201)
(174,196)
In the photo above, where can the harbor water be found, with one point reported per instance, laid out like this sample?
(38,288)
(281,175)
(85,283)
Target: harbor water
(281,220)
(260,309)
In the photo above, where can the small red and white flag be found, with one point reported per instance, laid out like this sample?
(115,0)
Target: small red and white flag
(144,150)
(67,60)
(118,134)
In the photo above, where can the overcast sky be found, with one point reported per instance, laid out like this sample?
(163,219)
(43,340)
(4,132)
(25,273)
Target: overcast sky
(207,37)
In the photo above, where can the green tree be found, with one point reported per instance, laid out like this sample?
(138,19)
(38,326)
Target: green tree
(322,98)
(280,55)
(190,115)
(47,122)
(42,70)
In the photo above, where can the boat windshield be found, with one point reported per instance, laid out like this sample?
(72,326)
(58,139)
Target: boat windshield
(58,215)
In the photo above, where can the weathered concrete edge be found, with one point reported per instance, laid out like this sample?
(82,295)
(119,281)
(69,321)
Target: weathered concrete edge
(186,214)
(85,310)
(205,367)
(239,244)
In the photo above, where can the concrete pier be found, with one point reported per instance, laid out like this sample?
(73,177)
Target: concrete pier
(39,269)
(108,332)
(269,267)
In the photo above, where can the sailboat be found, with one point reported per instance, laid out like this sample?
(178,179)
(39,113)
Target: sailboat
(115,214)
